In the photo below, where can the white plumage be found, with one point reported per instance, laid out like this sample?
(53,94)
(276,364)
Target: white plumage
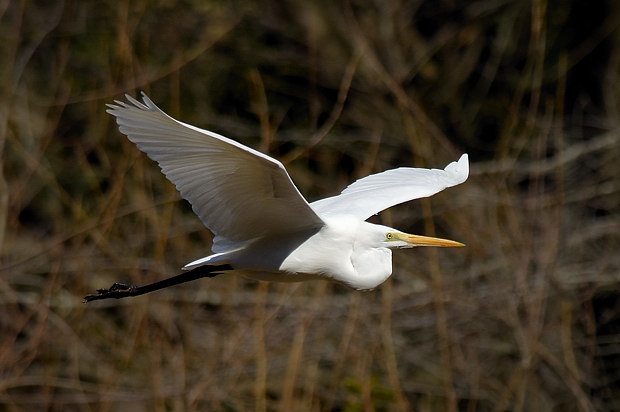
(263,227)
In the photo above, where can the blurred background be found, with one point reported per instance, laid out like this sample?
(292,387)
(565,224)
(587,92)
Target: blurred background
(527,317)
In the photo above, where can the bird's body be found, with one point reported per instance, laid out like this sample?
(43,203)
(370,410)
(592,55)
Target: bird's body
(263,227)
(339,251)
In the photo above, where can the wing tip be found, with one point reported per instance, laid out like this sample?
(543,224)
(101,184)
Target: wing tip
(132,103)
(148,102)
(459,169)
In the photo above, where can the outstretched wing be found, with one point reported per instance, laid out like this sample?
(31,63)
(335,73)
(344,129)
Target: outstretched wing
(372,194)
(237,192)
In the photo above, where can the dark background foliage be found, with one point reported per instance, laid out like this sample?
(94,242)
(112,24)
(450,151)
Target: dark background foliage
(527,317)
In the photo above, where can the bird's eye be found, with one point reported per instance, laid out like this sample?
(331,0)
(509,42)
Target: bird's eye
(389,236)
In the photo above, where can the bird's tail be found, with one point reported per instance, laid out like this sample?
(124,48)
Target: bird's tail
(123,290)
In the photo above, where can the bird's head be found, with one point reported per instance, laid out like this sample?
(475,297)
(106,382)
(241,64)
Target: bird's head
(373,235)
(396,239)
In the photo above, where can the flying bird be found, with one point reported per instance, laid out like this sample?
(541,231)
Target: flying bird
(263,227)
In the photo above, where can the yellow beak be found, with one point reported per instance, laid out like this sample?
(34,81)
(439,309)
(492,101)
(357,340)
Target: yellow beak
(417,240)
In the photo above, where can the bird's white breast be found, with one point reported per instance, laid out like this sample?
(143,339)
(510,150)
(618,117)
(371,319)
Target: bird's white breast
(326,253)
(340,252)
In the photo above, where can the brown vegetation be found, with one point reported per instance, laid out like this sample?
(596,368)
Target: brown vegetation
(527,317)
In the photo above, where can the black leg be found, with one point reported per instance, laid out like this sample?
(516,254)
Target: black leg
(123,290)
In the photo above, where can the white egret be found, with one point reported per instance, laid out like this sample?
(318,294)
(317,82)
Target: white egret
(263,227)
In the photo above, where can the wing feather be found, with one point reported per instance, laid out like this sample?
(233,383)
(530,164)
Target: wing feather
(372,194)
(237,192)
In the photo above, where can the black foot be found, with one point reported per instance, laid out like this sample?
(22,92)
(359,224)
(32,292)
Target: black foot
(123,290)
(116,291)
